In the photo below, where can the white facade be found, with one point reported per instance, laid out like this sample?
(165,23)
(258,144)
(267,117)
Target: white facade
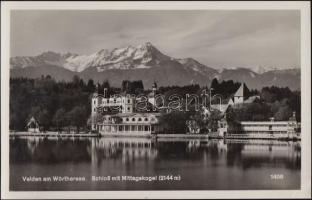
(238,100)
(33,126)
(129,124)
(263,129)
(125,121)
(275,128)
(222,127)
(124,103)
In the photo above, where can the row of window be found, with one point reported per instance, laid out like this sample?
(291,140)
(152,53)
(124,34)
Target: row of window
(128,108)
(128,128)
(264,125)
(133,119)
(107,101)
(105,109)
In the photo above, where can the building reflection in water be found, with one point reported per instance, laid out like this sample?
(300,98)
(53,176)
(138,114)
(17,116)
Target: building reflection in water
(203,164)
(126,149)
(257,153)
(244,153)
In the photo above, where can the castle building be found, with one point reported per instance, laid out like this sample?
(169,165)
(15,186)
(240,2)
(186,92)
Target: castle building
(117,115)
(152,95)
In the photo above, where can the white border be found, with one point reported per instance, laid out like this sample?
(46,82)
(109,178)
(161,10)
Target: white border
(304,7)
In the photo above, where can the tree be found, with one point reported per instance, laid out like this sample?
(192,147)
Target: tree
(42,115)
(214,84)
(76,81)
(283,113)
(175,122)
(90,86)
(59,119)
(206,122)
(232,119)
(213,119)
(44,97)
(78,117)
(256,111)
(132,87)
(89,123)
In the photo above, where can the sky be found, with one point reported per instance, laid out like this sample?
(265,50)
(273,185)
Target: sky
(219,39)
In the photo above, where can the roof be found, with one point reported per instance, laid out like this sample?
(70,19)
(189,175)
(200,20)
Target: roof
(263,122)
(32,120)
(251,99)
(206,111)
(242,91)
(136,114)
(154,85)
(217,107)
(230,102)
(151,94)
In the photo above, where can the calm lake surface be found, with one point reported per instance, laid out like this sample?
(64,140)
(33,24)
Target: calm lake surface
(189,164)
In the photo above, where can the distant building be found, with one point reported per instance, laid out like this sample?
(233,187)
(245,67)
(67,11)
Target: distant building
(251,99)
(241,94)
(220,107)
(231,102)
(222,127)
(289,127)
(192,127)
(33,126)
(152,95)
(240,97)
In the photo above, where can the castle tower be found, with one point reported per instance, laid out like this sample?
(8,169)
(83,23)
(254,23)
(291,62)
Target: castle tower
(154,88)
(128,104)
(152,95)
(95,102)
(105,92)
(240,94)
(293,117)
(94,105)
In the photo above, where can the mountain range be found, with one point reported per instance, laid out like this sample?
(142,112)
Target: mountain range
(144,62)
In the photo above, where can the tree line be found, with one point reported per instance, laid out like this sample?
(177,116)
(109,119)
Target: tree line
(67,104)
(53,104)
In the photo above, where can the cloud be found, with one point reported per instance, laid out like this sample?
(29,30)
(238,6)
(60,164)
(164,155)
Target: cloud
(216,38)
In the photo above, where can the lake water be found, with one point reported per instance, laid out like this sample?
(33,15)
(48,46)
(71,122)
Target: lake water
(177,164)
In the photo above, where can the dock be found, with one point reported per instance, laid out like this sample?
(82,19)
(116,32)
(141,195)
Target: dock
(164,136)
(186,136)
(53,134)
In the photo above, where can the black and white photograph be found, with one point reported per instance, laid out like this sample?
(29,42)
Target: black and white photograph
(150,97)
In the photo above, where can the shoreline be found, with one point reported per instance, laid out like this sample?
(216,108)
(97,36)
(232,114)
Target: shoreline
(55,134)
(170,136)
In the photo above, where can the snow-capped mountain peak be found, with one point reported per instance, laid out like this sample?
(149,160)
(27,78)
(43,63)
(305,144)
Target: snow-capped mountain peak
(144,62)
(48,57)
(129,57)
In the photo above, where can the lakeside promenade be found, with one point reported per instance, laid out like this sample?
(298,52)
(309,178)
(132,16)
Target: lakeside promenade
(213,135)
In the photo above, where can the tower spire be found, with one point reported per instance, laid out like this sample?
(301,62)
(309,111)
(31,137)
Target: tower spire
(97,88)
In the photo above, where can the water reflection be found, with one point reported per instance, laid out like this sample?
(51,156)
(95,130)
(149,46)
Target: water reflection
(209,161)
(252,153)
(126,149)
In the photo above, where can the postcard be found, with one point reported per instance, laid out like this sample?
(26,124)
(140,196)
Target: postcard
(155,100)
